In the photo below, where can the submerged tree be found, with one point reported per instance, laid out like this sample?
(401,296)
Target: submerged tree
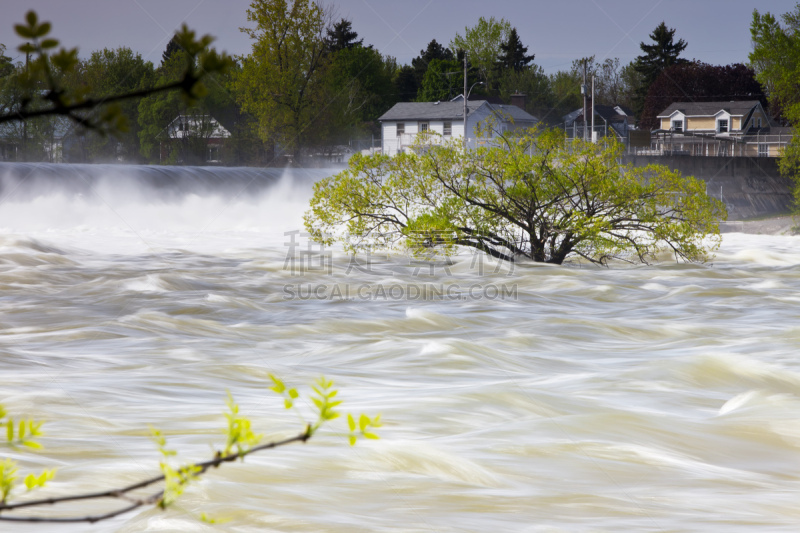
(529,196)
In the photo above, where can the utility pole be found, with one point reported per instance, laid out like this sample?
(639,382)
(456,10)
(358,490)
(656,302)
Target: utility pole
(593,136)
(583,92)
(25,122)
(465,100)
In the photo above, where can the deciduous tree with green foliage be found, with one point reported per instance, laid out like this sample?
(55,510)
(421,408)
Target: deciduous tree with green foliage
(444,79)
(283,80)
(6,63)
(47,93)
(360,90)
(535,84)
(482,43)
(776,60)
(524,197)
(422,62)
(109,72)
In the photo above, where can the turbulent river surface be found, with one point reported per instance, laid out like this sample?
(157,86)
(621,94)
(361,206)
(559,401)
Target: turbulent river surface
(572,398)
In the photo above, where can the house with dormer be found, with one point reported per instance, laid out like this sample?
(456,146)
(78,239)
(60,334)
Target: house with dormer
(738,128)
(401,124)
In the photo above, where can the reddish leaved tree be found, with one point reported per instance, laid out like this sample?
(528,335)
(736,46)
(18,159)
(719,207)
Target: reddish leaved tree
(700,82)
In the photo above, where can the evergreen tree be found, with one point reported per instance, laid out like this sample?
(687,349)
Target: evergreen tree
(512,54)
(405,84)
(342,36)
(6,63)
(663,53)
(433,51)
(172,48)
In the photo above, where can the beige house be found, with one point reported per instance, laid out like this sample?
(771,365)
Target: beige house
(719,129)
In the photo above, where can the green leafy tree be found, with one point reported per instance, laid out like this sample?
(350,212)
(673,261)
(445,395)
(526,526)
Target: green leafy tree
(663,53)
(530,196)
(283,81)
(173,47)
(6,63)
(405,84)
(566,88)
(422,62)
(360,90)
(482,42)
(535,84)
(109,72)
(47,91)
(632,85)
(443,80)
(33,139)
(513,54)
(174,130)
(776,60)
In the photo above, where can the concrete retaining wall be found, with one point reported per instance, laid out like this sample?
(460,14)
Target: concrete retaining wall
(749,186)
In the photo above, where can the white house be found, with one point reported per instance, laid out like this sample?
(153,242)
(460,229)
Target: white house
(400,125)
(203,128)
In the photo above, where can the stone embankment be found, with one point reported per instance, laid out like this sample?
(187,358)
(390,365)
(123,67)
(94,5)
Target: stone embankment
(750,187)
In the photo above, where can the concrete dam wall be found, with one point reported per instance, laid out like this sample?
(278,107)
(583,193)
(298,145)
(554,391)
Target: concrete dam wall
(749,186)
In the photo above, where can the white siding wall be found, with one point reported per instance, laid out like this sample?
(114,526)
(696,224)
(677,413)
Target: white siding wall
(392,144)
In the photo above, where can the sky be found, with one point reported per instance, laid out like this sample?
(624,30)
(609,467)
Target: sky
(557,32)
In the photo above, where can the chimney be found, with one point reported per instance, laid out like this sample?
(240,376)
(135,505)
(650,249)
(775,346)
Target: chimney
(518,99)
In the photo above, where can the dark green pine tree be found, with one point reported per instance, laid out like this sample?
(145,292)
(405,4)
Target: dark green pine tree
(405,84)
(658,56)
(512,54)
(172,48)
(433,51)
(342,36)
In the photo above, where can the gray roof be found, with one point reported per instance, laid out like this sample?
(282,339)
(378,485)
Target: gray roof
(516,113)
(694,109)
(430,110)
(450,111)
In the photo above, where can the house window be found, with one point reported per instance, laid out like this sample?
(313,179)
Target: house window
(759,122)
(722,126)
(677,125)
(763,150)
(213,153)
(423,127)
(448,129)
(401,128)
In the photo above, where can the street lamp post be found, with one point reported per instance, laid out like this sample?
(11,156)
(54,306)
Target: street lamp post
(466,97)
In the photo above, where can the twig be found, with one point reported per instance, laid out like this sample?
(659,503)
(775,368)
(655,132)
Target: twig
(120,493)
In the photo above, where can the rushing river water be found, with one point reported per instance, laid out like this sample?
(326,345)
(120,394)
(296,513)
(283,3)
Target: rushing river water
(659,398)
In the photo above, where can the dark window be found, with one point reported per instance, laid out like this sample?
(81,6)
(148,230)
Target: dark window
(448,129)
(677,125)
(722,126)
(401,128)
(423,127)
(763,150)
